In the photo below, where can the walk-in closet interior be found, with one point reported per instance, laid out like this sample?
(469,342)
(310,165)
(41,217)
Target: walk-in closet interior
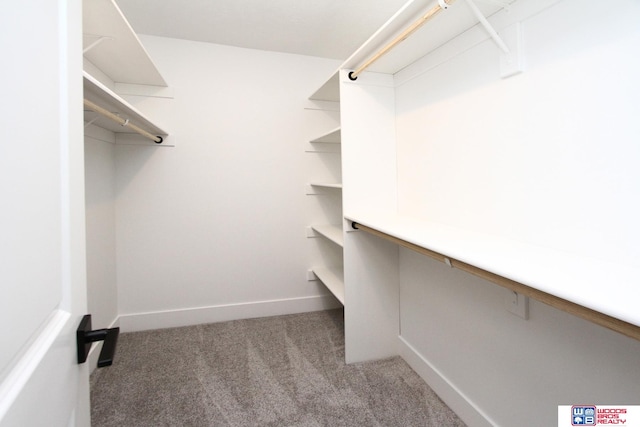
(469,195)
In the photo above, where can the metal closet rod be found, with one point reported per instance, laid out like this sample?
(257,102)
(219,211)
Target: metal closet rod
(122,122)
(442,4)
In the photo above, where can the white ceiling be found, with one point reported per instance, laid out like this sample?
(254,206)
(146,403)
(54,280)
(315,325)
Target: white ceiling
(324,28)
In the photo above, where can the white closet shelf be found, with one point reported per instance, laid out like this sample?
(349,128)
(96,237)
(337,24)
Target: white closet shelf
(101,95)
(326,185)
(330,232)
(329,91)
(454,21)
(597,285)
(113,46)
(333,137)
(331,149)
(333,279)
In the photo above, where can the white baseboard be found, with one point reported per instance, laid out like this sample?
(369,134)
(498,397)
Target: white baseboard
(448,392)
(222,313)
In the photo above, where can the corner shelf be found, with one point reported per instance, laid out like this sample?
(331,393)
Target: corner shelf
(333,279)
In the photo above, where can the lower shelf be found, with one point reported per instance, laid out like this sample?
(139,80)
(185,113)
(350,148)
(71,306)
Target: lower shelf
(333,279)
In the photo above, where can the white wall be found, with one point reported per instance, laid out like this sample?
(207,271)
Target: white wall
(213,229)
(509,370)
(547,157)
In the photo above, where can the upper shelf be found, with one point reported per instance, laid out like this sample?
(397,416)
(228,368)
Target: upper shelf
(329,91)
(98,93)
(116,50)
(447,25)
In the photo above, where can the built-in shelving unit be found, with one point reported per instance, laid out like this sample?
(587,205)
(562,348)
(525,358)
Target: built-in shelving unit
(332,276)
(419,109)
(460,28)
(114,55)
(368,162)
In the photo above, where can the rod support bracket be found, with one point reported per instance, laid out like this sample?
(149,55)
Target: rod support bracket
(487,26)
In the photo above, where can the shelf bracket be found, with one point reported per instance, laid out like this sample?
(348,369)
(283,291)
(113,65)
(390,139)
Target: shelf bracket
(487,26)
(503,4)
(90,122)
(510,43)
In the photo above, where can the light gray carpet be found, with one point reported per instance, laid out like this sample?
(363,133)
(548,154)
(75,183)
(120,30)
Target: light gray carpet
(276,371)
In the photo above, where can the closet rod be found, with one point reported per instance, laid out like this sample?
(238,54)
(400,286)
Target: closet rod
(442,4)
(122,122)
(583,312)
